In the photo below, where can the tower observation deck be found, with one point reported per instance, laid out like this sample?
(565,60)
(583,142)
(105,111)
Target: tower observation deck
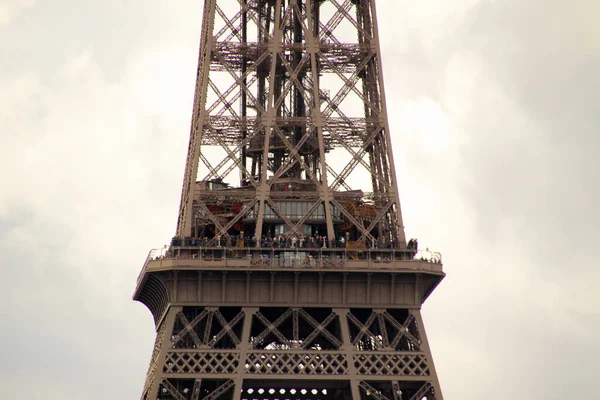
(290,276)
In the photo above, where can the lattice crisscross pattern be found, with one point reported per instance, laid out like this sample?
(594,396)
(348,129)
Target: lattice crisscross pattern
(382,331)
(160,336)
(296,363)
(392,364)
(321,331)
(204,338)
(280,86)
(201,363)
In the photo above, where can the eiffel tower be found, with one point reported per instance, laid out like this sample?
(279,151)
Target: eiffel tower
(290,276)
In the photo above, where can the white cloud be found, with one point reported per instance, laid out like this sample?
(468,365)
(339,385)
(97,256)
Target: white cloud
(9,9)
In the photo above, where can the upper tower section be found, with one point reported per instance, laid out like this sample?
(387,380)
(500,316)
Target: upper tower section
(289,133)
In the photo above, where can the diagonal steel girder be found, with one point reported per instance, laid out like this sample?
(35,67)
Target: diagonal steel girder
(172,390)
(213,219)
(357,224)
(272,328)
(252,13)
(364,328)
(229,23)
(333,22)
(319,328)
(226,328)
(357,157)
(214,171)
(239,79)
(189,328)
(370,391)
(402,330)
(281,215)
(427,386)
(290,147)
(247,207)
(348,86)
(234,157)
(224,387)
(378,217)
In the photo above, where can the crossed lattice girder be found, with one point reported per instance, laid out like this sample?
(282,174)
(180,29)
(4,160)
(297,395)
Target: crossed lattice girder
(206,340)
(319,329)
(228,48)
(378,318)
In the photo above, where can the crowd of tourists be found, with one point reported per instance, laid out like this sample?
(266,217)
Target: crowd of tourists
(284,241)
(314,244)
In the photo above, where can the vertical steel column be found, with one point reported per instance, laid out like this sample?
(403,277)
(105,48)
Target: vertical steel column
(243,348)
(348,349)
(269,121)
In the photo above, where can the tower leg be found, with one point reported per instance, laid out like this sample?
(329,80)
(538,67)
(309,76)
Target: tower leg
(244,347)
(348,348)
(156,376)
(425,346)
(355,389)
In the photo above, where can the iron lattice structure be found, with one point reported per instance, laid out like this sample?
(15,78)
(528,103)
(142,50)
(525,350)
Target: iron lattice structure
(290,276)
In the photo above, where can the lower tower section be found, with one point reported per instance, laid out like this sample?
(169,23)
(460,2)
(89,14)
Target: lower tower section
(298,332)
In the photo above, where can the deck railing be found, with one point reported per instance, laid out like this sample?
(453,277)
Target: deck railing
(284,257)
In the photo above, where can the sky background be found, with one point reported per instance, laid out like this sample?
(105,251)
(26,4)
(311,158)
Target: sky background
(494,111)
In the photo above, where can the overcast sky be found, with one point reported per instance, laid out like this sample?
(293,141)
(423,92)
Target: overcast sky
(495,112)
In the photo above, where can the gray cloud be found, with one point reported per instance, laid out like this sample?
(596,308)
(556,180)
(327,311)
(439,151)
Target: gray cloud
(520,91)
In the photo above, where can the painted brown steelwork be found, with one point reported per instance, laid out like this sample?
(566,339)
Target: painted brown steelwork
(351,327)
(260,100)
(290,276)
